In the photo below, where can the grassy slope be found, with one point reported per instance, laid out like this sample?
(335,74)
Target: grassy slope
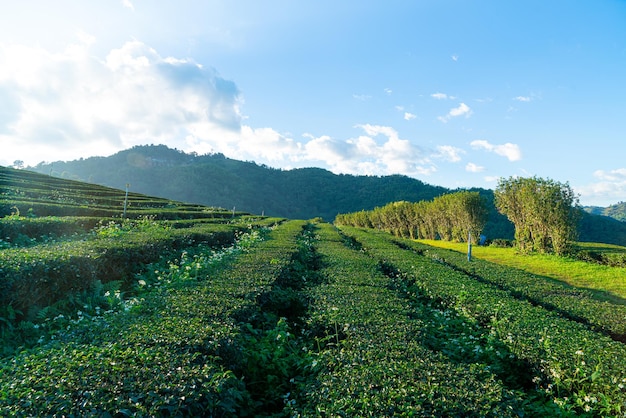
(610,282)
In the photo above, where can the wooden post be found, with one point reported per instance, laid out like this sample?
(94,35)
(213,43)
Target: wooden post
(126,201)
(469,246)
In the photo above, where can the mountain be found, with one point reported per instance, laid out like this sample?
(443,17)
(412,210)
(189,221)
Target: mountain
(215,180)
(305,193)
(616,211)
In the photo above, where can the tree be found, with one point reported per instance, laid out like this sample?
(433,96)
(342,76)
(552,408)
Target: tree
(441,212)
(19,164)
(470,215)
(544,212)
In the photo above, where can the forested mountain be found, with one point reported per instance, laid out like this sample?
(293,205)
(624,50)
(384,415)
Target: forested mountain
(219,181)
(215,180)
(616,211)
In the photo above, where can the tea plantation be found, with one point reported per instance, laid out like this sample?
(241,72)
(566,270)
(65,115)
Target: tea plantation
(184,310)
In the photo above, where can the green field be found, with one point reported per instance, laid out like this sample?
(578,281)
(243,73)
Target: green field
(607,282)
(184,310)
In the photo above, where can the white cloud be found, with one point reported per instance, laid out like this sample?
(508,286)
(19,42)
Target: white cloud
(449,153)
(375,130)
(442,96)
(461,110)
(367,154)
(72,104)
(522,99)
(388,91)
(474,168)
(609,189)
(63,105)
(455,58)
(128,5)
(409,116)
(361,97)
(618,175)
(85,38)
(508,150)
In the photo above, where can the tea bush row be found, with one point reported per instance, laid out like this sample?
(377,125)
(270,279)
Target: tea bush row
(89,369)
(42,274)
(46,208)
(23,192)
(581,370)
(185,349)
(372,356)
(577,304)
(273,347)
(21,231)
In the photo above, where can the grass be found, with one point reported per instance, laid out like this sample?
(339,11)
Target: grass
(606,282)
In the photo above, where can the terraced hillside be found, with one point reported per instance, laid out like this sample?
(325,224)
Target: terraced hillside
(196,312)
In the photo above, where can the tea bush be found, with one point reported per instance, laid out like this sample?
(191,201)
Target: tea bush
(20,231)
(43,274)
(171,354)
(372,356)
(581,370)
(572,303)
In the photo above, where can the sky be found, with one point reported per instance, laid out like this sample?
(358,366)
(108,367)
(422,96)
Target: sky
(455,93)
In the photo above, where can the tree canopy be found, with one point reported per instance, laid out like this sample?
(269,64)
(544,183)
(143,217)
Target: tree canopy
(451,217)
(545,213)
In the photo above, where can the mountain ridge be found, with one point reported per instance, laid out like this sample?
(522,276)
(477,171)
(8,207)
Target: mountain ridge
(302,193)
(221,181)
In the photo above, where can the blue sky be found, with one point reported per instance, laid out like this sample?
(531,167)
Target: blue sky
(454,93)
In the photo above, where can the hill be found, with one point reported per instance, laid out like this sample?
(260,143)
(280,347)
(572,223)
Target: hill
(215,180)
(306,193)
(34,195)
(616,211)
(185,310)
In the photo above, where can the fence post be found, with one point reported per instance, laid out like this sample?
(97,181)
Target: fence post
(125,200)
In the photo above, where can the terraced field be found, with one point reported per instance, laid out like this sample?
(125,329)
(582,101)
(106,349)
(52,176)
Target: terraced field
(182,310)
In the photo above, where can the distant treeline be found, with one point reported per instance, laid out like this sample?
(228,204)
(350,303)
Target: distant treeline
(450,217)
(545,213)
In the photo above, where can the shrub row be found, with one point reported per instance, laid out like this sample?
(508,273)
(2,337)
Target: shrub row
(42,274)
(46,208)
(273,347)
(608,258)
(23,231)
(28,187)
(582,370)
(41,195)
(573,303)
(186,350)
(374,357)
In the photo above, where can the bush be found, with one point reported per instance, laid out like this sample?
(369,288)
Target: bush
(605,258)
(502,243)
(581,370)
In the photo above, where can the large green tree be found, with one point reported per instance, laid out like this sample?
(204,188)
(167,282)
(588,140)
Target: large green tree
(545,212)
(470,215)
